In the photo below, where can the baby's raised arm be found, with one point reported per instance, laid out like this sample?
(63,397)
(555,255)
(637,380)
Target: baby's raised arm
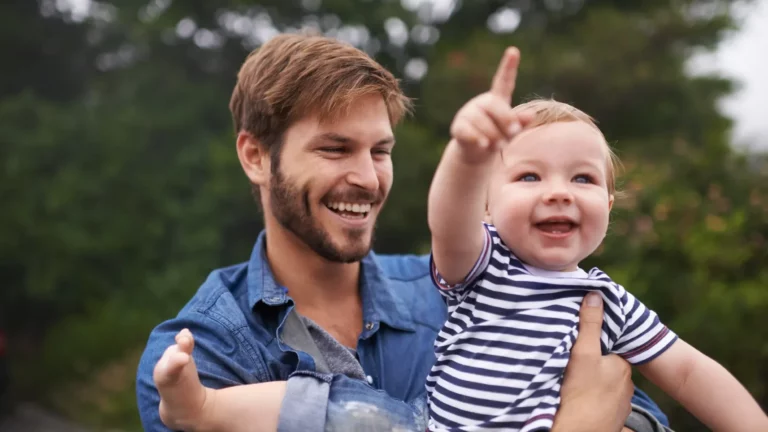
(706,389)
(457,196)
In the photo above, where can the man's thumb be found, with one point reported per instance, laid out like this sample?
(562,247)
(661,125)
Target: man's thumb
(590,321)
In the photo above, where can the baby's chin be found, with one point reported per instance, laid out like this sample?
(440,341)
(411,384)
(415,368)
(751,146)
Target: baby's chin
(552,263)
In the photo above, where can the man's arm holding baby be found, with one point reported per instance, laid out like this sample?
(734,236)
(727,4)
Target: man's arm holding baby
(705,388)
(457,196)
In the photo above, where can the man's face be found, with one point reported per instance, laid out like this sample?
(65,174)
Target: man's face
(333,178)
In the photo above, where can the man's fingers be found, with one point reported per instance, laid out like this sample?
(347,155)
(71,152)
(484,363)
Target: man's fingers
(590,326)
(503,84)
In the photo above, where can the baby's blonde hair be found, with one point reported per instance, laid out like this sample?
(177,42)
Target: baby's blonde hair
(548,111)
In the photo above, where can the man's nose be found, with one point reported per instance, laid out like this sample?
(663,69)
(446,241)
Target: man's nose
(362,173)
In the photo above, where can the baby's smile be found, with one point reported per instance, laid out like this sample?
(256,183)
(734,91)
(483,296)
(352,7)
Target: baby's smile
(557,226)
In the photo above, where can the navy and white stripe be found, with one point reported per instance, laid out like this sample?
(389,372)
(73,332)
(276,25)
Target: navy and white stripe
(502,352)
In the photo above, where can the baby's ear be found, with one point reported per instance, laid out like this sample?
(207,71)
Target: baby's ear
(611,198)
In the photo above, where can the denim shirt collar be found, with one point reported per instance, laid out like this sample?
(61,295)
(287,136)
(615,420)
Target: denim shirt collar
(380,302)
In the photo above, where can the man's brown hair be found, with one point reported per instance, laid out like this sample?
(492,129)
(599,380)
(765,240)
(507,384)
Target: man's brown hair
(294,75)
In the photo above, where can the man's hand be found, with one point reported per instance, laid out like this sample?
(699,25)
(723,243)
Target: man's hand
(484,123)
(597,389)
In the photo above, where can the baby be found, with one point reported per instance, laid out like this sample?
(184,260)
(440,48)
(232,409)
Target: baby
(541,175)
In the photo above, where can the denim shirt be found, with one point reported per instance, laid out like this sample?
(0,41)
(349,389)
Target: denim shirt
(237,317)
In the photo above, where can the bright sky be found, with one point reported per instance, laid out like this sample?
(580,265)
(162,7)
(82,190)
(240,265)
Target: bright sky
(744,57)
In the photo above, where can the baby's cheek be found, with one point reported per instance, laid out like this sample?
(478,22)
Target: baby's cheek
(511,224)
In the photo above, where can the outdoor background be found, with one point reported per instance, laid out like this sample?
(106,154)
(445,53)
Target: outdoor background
(120,188)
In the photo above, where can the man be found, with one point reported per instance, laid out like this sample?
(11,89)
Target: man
(336,337)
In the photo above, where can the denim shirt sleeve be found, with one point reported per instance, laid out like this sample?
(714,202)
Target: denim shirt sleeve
(642,400)
(334,403)
(305,402)
(216,355)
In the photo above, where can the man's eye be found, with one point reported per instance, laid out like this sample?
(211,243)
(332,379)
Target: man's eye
(382,151)
(529,177)
(336,150)
(583,179)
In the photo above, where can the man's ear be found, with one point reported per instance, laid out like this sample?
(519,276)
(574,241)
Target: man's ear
(254,158)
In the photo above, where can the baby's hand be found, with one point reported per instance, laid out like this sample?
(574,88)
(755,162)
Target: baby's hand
(486,122)
(182,395)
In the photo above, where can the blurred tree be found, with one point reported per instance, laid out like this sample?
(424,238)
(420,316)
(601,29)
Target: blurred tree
(122,188)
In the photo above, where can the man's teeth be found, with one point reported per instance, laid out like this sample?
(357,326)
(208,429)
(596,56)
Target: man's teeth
(354,208)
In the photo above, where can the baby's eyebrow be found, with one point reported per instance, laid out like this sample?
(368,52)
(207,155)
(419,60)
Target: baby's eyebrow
(534,162)
(590,164)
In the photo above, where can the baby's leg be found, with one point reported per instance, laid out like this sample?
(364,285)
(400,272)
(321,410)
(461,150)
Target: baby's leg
(182,395)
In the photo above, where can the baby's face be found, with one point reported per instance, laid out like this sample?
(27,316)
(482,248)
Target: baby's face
(549,198)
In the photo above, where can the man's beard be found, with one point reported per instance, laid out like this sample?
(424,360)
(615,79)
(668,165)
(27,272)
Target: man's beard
(290,206)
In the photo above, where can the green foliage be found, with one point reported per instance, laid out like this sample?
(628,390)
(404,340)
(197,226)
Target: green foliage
(122,190)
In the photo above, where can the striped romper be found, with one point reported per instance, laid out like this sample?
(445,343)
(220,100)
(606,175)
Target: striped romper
(502,352)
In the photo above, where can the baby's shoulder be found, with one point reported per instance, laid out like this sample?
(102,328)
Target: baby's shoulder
(605,282)
(597,274)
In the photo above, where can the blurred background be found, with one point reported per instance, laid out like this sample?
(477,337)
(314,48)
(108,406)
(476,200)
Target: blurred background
(121,190)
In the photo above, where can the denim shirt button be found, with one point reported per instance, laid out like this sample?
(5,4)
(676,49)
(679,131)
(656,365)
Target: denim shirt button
(369,379)
(369,326)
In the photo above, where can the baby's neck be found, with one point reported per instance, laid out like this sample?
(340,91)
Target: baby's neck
(536,271)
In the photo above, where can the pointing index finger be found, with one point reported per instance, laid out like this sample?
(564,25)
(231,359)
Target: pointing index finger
(503,84)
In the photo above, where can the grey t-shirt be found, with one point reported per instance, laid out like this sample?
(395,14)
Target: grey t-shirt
(330,356)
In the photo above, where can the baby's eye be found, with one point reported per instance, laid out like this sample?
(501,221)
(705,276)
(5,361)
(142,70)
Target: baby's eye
(528,177)
(584,179)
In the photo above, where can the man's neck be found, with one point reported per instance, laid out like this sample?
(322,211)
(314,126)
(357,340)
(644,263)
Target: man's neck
(311,280)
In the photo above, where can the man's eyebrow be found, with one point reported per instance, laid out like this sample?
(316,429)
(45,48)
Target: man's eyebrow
(341,139)
(385,141)
(331,136)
